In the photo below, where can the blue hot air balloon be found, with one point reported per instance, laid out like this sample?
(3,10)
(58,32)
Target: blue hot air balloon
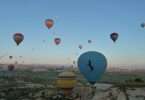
(142,25)
(114,36)
(92,65)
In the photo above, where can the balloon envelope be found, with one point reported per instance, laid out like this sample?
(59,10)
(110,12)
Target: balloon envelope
(57,41)
(16,62)
(10,57)
(114,36)
(43,41)
(89,41)
(49,23)
(142,25)
(74,62)
(92,65)
(80,46)
(18,38)
(20,56)
(11,67)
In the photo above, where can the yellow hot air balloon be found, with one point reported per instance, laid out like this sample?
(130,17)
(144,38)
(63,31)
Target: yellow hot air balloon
(66,81)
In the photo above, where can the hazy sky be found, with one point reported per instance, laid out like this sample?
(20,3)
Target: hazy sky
(76,21)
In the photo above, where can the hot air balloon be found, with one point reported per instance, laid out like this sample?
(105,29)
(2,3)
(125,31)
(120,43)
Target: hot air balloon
(92,65)
(10,57)
(11,67)
(18,38)
(80,46)
(66,81)
(43,41)
(23,62)
(57,41)
(33,49)
(16,62)
(114,36)
(74,62)
(49,23)
(89,41)
(142,25)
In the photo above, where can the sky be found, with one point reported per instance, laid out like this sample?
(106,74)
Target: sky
(75,22)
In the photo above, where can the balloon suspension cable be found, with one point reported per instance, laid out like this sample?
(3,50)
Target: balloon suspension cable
(93,87)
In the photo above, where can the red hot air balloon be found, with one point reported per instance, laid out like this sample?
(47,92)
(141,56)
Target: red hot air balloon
(114,36)
(11,67)
(80,46)
(49,23)
(18,38)
(57,41)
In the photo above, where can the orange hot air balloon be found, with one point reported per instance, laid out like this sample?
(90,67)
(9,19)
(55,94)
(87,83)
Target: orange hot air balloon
(49,23)
(11,67)
(57,41)
(18,38)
